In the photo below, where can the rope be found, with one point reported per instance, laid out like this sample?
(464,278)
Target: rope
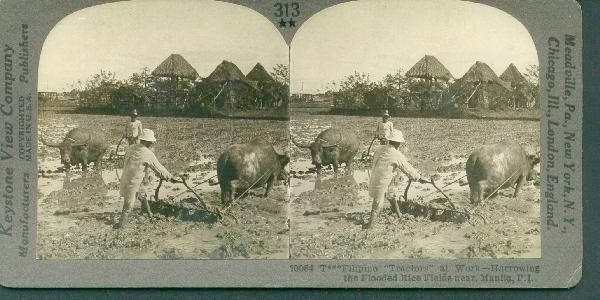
(442,192)
(365,156)
(202,182)
(116,152)
(505,181)
(445,186)
(474,211)
(251,186)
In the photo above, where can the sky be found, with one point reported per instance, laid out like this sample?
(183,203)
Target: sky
(378,37)
(125,37)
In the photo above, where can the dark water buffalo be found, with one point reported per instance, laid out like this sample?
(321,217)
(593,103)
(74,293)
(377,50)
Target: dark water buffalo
(80,146)
(246,166)
(498,166)
(333,147)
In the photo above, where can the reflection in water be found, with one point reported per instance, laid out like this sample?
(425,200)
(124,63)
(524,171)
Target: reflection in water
(321,183)
(336,182)
(87,180)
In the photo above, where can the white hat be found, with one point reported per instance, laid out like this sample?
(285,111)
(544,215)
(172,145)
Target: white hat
(386,113)
(396,136)
(147,135)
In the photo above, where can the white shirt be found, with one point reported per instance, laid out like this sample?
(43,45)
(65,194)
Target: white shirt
(386,162)
(133,129)
(137,161)
(385,129)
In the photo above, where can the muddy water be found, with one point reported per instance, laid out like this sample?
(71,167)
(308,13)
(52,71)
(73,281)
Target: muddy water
(77,212)
(328,212)
(325,213)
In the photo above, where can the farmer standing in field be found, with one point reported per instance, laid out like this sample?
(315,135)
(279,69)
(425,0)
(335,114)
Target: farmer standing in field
(138,160)
(384,129)
(133,129)
(387,161)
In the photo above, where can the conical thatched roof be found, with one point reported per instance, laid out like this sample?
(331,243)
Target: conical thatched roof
(227,71)
(258,73)
(512,75)
(175,66)
(481,72)
(429,67)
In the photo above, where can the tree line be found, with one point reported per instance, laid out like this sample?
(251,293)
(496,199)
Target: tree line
(357,93)
(104,92)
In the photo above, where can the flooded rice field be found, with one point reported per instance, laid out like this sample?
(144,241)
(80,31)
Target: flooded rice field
(77,211)
(315,217)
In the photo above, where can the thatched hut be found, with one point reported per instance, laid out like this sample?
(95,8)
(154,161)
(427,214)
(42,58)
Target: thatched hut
(175,66)
(272,94)
(520,87)
(480,87)
(235,91)
(430,70)
(180,76)
(259,74)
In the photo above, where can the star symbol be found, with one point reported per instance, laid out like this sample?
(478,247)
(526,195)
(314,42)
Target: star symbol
(292,22)
(282,23)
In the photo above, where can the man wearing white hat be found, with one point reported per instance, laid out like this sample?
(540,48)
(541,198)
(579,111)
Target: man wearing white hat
(138,160)
(133,128)
(385,128)
(387,161)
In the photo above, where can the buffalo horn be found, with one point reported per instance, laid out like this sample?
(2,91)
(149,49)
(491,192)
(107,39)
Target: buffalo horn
(324,145)
(48,144)
(299,145)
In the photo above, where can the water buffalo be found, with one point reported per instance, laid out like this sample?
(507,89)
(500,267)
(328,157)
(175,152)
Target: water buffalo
(246,166)
(80,146)
(333,147)
(498,166)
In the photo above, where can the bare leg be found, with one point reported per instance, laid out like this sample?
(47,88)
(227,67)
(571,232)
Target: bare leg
(127,207)
(394,204)
(375,211)
(145,205)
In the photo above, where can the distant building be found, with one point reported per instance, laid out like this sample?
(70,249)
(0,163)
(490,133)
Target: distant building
(57,101)
(302,97)
(480,87)
(522,95)
(47,96)
(235,91)
(305,97)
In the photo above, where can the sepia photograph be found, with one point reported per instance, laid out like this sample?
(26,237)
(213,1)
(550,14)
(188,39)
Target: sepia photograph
(387,130)
(416,130)
(163,134)
(292,144)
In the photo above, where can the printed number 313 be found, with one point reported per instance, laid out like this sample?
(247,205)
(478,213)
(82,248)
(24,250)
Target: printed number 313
(287,10)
